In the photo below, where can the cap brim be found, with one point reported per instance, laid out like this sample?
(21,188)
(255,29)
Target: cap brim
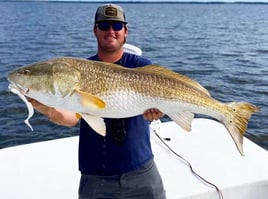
(110,19)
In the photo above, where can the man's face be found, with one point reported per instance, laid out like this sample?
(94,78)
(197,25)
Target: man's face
(110,35)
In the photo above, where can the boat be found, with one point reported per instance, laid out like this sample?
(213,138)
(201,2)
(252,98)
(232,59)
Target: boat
(49,169)
(201,164)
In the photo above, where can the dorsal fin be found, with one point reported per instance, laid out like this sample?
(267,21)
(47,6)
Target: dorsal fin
(164,71)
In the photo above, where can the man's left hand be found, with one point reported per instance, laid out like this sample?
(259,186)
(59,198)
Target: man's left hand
(152,114)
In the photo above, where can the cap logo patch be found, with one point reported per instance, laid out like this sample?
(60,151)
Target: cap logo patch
(110,12)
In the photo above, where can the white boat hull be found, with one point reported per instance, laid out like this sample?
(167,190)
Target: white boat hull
(50,169)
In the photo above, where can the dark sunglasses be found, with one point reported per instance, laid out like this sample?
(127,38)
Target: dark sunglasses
(116,26)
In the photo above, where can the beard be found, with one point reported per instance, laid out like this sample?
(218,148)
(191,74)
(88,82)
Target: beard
(111,46)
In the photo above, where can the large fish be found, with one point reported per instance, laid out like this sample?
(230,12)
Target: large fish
(96,90)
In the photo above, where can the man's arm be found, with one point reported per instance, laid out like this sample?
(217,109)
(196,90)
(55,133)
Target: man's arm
(57,116)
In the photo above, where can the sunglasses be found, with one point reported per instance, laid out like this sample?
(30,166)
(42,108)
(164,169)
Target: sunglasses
(116,26)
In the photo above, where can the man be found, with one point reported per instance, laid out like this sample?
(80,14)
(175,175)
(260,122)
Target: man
(119,165)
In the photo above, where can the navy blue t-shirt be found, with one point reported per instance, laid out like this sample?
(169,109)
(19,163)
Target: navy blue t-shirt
(126,147)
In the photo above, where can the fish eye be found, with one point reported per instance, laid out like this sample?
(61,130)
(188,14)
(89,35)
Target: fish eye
(25,72)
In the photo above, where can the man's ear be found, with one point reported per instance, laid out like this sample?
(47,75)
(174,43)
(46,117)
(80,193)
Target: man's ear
(126,31)
(94,30)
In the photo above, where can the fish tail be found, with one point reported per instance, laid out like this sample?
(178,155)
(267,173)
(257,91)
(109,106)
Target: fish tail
(237,122)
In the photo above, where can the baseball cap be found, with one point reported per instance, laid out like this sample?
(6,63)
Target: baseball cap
(110,12)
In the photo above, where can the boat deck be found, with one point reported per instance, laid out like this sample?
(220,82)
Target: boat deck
(50,169)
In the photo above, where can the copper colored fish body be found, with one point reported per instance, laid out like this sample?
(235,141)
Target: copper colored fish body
(96,90)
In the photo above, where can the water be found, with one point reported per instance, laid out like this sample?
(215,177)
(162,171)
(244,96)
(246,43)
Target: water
(223,46)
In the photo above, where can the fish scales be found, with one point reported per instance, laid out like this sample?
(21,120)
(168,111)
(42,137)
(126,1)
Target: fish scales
(113,80)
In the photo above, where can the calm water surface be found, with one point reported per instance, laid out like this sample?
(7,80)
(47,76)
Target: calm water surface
(223,46)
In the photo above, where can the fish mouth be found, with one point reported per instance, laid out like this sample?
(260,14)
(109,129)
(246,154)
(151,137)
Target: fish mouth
(18,87)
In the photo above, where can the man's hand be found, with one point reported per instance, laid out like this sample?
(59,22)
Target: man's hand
(56,115)
(152,114)
(39,106)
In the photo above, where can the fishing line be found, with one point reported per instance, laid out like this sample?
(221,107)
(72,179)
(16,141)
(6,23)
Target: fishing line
(202,179)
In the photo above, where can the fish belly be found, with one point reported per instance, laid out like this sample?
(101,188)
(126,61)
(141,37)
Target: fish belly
(123,104)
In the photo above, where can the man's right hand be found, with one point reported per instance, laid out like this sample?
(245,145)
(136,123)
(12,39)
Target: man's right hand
(56,115)
(45,110)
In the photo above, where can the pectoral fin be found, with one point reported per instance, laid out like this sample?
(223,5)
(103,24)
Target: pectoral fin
(90,101)
(183,119)
(96,123)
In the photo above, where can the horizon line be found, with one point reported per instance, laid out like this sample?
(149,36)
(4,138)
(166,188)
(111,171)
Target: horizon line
(150,1)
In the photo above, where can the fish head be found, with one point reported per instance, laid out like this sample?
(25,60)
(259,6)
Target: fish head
(37,76)
(51,77)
